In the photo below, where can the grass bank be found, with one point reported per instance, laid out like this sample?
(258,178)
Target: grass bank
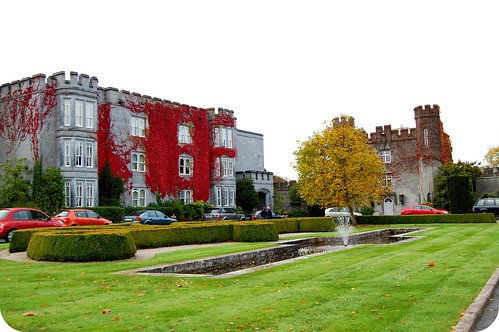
(366,288)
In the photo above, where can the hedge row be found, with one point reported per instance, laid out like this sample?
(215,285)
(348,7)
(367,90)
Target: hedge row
(97,245)
(427,219)
(305,224)
(121,241)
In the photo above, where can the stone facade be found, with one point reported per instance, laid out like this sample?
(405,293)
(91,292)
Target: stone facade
(412,157)
(158,147)
(250,163)
(488,182)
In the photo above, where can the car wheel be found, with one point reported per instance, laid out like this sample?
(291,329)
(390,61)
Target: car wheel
(8,236)
(148,222)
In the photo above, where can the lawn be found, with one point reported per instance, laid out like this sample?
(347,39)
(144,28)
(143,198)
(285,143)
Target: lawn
(365,288)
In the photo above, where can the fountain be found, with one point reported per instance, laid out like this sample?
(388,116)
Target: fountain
(344,228)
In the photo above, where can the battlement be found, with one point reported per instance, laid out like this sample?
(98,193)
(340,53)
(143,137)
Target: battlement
(386,133)
(122,97)
(344,119)
(40,81)
(75,80)
(214,112)
(428,110)
(37,82)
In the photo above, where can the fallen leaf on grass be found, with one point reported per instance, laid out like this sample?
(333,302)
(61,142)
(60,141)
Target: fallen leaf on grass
(30,314)
(431,264)
(106,311)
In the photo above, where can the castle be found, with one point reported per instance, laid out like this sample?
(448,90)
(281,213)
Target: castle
(161,149)
(412,157)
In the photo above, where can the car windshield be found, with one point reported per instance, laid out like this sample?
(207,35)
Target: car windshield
(4,214)
(62,214)
(136,213)
(92,214)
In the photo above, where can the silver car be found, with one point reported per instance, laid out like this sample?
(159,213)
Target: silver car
(224,213)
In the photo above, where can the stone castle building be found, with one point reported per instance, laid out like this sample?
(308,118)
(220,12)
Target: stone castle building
(161,149)
(412,157)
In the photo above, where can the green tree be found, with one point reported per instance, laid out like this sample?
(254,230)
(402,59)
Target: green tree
(492,156)
(338,167)
(471,170)
(51,193)
(14,187)
(111,187)
(460,198)
(246,195)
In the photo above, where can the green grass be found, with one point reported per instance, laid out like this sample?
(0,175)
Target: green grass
(366,288)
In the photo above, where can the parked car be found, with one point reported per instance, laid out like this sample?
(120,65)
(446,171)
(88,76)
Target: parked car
(339,212)
(224,213)
(12,219)
(149,217)
(422,209)
(258,215)
(81,217)
(487,205)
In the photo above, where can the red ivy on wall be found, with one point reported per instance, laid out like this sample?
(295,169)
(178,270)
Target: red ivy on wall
(161,147)
(23,114)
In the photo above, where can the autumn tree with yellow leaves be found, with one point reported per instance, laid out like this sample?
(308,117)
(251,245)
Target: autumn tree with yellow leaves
(338,167)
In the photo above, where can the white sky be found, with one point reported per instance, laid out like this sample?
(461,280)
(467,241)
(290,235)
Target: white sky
(284,67)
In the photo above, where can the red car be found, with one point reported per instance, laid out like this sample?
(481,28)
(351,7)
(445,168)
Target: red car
(422,209)
(81,217)
(12,219)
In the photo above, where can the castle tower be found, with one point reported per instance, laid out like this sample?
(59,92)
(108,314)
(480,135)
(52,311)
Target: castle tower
(429,135)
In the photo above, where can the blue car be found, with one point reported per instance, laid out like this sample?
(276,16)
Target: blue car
(149,217)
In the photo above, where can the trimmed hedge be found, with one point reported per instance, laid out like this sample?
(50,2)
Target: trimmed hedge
(151,236)
(254,231)
(427,219)
(296,225)
(81,246)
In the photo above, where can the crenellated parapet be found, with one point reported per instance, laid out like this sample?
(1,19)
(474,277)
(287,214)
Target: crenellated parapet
(386,133)
(344,120)
(427,111)
(126,98)
(75,81)
(35,82)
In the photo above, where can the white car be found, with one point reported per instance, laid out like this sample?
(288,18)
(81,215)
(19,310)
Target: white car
(337,212)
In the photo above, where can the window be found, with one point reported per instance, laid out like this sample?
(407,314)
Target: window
(217,167)
(386,156)
(227,167)
(184,134)
(90,194)
(67,112)
(79,113)
(223,137)
(89,158)
(138,126)
(78,153)
(138,162)
(138,197)
(218,196)
(67,153)
(388,179)
(425,137)
(79,194)
(226,196)
(186,196)
(89,113)
(232,196)
(67,193)
(185,166)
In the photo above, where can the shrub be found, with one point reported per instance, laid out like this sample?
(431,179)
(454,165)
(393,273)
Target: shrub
(81,246)
(428,219)
(312,224)
(254,231)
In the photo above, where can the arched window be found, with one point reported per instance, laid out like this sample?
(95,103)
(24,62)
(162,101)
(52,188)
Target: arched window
(425,137)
